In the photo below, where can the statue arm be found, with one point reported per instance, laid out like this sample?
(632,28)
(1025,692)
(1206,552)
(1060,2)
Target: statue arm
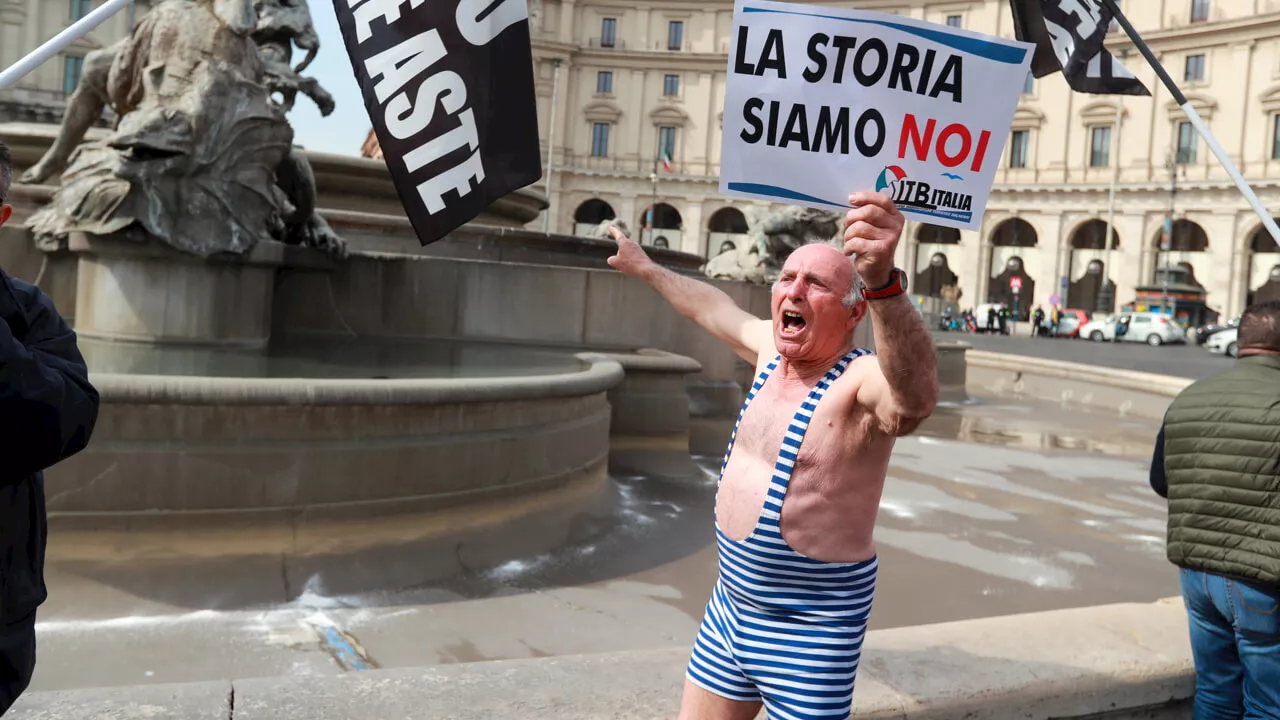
(125,80)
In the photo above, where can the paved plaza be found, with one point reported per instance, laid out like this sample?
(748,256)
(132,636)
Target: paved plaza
(991,509)
(1187,360)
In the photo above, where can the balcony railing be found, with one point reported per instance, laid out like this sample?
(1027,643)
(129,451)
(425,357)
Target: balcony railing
(596,43)
(637,166)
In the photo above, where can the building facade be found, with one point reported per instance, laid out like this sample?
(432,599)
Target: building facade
(638,83)
(26,25)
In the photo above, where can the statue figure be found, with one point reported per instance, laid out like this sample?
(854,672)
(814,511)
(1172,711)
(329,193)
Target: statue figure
(201,157)
(601,230)
(773,233)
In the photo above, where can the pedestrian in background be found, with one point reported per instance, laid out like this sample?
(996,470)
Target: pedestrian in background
(1217,460)
(48,410)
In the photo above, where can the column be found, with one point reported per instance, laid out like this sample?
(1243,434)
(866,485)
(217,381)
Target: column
(704,112)
(641,34)
(692,234)
(568,12)
(639,118)
(11,49)
(568,114)
(1128,260)
(627,212)
(1062,266)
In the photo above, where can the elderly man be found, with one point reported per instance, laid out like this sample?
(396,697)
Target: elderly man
(794,522)
(47,411)
(1217,460)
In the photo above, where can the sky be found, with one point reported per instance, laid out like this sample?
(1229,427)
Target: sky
(344,131)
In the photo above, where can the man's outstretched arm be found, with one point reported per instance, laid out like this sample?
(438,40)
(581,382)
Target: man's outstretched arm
(701,302)
(904,391)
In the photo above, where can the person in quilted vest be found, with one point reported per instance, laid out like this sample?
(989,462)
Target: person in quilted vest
(1217,460)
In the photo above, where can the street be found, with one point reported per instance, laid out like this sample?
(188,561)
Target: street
(1187,360)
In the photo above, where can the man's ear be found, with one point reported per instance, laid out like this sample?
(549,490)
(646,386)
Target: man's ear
(6,211)
(856,313)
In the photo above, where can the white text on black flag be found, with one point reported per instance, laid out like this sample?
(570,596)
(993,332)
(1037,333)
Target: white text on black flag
(449,90)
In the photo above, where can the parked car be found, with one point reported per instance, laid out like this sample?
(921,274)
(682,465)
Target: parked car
(1071,322)
(1148,327)
(1204,332)
(1223,343)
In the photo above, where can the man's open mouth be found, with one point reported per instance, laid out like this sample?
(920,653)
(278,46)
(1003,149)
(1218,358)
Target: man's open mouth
(792,323)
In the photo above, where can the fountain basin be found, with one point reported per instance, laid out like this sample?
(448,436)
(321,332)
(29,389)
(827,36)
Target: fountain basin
(339,446)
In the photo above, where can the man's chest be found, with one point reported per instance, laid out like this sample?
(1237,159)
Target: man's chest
(773,416)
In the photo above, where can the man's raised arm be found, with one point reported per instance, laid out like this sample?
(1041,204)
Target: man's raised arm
(905,390)
(701,302)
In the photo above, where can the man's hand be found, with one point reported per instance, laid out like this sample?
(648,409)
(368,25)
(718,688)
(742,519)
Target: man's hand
(631,259)
(871,232)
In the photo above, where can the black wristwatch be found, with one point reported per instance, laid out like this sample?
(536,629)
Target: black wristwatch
(896,286)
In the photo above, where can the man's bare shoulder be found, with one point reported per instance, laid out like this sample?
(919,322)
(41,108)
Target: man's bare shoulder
(864,368)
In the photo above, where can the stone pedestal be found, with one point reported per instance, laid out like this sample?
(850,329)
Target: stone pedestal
(952,371)
(151,293)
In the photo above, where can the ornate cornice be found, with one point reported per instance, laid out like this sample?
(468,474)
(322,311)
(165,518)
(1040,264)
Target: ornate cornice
(1026,118)
(1203,104)
(602,111)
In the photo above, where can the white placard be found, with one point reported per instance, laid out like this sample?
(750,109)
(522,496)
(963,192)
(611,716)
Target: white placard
(822,102)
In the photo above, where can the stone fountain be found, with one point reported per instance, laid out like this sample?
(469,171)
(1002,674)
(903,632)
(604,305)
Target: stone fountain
(272,342)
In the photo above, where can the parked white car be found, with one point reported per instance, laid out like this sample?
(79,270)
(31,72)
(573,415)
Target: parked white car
(1223,343)
(1148,327)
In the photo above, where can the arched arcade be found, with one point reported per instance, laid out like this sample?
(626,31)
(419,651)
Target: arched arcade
(936,261)
(1012,242)
(726,229)
(666,224)
(1090,281)
(590,214)
(1264,267)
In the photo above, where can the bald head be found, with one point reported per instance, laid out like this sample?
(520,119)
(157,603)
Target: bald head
(841,266)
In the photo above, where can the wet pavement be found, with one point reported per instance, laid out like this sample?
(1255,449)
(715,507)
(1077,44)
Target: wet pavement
(991,509)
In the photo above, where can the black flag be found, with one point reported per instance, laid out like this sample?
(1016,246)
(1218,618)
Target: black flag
(1068,36)
(449,87)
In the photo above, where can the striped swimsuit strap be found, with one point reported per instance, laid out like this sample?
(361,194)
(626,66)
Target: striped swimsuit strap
(790,448)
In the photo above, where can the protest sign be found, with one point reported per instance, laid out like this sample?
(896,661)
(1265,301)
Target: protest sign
(822,101)
(450,90)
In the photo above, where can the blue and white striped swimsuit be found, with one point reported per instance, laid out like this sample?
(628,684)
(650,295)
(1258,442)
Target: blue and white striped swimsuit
(782,627)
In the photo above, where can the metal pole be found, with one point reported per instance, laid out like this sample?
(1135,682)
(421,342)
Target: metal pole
(132,14)
(1111,210)
(70,34)
(1173,192)
(1196,121)
(551,143)
(653,209)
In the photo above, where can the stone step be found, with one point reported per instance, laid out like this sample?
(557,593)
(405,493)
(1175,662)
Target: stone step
(1123,661)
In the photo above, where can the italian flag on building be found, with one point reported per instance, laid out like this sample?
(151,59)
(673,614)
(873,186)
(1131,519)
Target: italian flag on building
(666,161)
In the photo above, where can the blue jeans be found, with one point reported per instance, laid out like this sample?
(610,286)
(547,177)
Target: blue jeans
(1235,641)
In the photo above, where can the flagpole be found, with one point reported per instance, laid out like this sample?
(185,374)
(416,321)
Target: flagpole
(70,34)
(654,207)
(1196,121)
(551,143)
(1108,270)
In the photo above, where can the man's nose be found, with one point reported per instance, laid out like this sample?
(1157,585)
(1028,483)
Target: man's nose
(797,289)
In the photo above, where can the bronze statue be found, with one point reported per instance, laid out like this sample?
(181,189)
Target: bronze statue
(201,157)
(773,233)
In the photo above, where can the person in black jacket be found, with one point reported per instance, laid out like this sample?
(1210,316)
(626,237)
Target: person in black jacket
(48,410)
